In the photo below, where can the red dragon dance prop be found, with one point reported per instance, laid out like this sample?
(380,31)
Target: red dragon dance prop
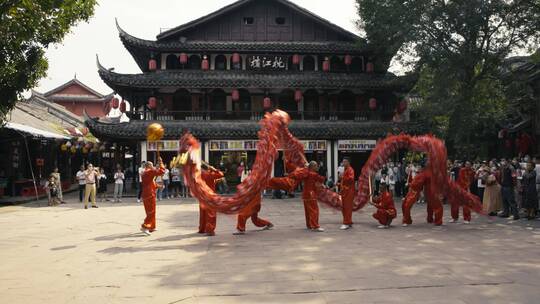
(274,133)
(437,160)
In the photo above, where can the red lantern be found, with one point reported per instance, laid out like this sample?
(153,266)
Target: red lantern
(152,103)
(183,58)
(114,103)
(267,103)
(205,65)
(123,106)
(359,103)
(40,162)
(326,65)
(402,107)
(373,104)
(348,59)
(296,59)
(298,95)
(236,58)
(370,68)
(235,95)
(152,65)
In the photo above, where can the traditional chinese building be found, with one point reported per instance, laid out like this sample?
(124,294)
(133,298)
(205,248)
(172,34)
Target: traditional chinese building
(217,75)
(77,97)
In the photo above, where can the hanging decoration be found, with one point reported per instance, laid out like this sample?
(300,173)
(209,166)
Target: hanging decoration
(348,60)
(183,58)
(296,59)
(205,65)
(298,95)
(370,68)
(236,58)
(267,103)
(114,103)
(326,65)
(373,104)
(402,106)
(152,103)
(123,106)
(235,95)
(152,65)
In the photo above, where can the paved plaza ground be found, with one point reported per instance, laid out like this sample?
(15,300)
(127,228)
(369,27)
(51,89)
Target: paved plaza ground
(70,255)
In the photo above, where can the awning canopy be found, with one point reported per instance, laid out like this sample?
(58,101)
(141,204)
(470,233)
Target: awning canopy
(34,132)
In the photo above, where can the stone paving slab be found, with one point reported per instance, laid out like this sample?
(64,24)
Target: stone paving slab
(67,254)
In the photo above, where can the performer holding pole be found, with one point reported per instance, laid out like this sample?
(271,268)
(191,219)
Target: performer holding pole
(252,211)
(208,217)
(347,194)
(384,202)
(154,133)
(310,177)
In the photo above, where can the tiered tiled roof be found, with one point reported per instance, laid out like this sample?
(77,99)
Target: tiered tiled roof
(136,130)
(249,79)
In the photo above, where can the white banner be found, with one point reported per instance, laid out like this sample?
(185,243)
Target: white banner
(357,145)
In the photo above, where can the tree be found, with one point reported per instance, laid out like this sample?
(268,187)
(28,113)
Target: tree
(459,46)
(27,28)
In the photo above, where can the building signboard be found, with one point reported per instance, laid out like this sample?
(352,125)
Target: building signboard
(359,145)
(267,62)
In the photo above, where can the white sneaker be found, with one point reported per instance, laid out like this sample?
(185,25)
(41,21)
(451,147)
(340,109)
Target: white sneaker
(381,227)
(453,221)
(318,229)
(146,231)
(344,227)
(238,232)
(138,200)
(268,227)
(405,225)
(466,222)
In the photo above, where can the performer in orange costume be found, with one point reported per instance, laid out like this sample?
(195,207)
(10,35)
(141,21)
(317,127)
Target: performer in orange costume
(207,217)
(422,180)
(251,211)
(386,211)
(347,194)
(464,180)
(149,194)
(311,178)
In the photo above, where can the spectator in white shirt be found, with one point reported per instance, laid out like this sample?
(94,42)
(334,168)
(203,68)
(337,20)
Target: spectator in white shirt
(81,178)
(166,182)
(118,184)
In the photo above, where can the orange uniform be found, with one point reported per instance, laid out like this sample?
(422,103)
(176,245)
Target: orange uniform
(309,195)
(252,212)
(149,196)
(207,217)
(422,181)
(347,195)
(464,180)
(386,211)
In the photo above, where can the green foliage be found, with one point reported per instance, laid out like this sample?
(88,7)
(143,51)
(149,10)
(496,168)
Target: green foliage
(27,28)
(459,46)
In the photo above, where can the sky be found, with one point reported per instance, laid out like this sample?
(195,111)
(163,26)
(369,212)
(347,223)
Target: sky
(76,55)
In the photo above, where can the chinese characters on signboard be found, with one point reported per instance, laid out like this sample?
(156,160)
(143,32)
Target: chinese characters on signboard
(164,145)
(251,145)
(267,62)
(356,145)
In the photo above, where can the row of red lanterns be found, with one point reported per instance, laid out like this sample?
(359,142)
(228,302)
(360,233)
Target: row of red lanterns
(205,64)
(267,102)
